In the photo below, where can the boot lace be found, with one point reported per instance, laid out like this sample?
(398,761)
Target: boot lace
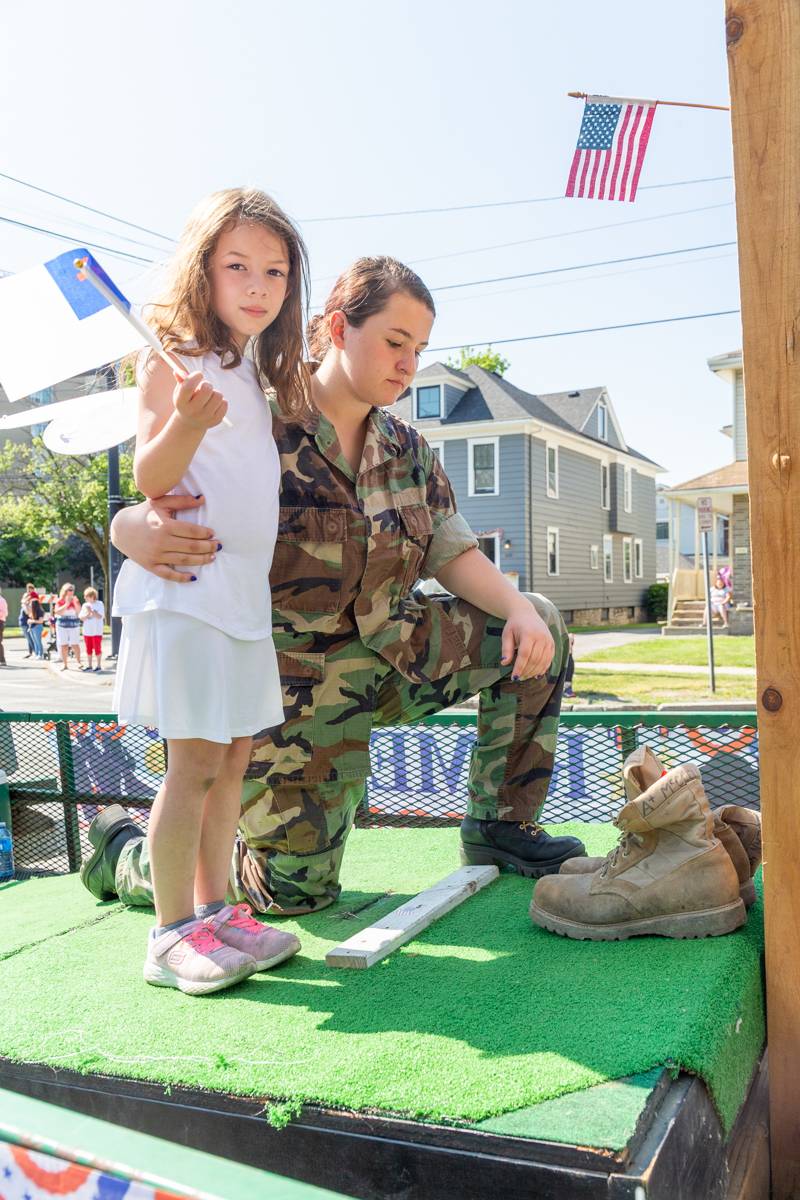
(531,827)
(621,850)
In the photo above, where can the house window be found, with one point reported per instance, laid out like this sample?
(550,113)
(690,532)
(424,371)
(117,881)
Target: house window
(594,557)
(627,488)
(608,558)
(602,422)
(723,535)
(429,402)
(483,467)
(552,472)
(627,560)
(662,531)
(605,486)
(552,552)
(438,450)
(489,544)
(638,558)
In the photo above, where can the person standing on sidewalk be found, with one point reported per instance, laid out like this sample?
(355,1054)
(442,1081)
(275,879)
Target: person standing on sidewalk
(92,614)
(68,626)
(36,619)
(3,619)
(24,611)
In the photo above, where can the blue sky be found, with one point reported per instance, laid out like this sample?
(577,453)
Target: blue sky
(363,108)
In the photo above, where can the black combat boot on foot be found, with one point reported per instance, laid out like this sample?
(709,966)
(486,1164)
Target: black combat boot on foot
(522,846)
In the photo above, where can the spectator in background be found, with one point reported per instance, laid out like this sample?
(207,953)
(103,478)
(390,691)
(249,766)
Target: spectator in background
(35,621)
(3,619)
(568,691)
(92,614)
(24,604)
(67,613)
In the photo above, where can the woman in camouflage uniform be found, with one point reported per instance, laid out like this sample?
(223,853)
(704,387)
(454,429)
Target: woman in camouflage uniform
(366,511)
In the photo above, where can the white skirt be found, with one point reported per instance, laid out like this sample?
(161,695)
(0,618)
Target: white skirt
(70,636)
(188,679)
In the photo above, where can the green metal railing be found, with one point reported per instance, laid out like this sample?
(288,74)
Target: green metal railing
(61,768)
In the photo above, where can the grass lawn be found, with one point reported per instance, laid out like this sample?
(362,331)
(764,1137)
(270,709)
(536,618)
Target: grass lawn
(691,651)
(601,687)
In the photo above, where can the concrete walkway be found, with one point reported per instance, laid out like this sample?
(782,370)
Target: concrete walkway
(27,685)
(632,668)
(587,644)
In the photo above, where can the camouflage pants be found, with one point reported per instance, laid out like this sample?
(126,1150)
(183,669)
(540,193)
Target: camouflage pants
(292,833)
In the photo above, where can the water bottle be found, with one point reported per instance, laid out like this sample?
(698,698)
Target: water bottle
(6,854)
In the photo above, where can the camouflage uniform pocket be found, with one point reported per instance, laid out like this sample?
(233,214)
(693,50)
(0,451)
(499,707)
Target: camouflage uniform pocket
(418,531)
(283,752)
(307,566)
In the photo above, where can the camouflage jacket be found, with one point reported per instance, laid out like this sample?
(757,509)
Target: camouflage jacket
(351,545)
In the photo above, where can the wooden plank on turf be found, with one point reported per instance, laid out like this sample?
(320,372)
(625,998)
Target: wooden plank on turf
(764,67)
(398,927)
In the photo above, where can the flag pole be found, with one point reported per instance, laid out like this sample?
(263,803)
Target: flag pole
(671,103)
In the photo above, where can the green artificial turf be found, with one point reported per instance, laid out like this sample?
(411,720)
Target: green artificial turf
(482,1015)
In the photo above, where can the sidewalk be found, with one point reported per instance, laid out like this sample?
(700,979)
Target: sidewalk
(632,668)
(28,685)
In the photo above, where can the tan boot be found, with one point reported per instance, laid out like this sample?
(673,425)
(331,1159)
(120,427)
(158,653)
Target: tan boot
(739,829)
(669,875)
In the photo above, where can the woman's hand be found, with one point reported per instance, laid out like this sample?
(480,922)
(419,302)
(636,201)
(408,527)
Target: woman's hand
(149,534)
(526,633)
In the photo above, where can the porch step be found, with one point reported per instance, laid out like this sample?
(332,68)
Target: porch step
(674,630)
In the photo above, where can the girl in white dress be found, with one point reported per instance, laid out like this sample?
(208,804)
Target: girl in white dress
(197,659)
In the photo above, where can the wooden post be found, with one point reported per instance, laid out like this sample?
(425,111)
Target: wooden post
(763,39)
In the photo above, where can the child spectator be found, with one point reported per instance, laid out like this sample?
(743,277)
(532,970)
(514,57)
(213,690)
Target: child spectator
(92,614)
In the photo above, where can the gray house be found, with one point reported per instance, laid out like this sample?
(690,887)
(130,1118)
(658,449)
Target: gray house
(557,498)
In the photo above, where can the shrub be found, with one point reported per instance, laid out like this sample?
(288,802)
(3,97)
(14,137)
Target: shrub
(657,600)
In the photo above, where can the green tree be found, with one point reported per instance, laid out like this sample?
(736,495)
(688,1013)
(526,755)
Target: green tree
(53,496)
(488,358)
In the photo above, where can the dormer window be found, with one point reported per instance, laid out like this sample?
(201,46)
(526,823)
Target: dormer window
(602,422)
(429,402)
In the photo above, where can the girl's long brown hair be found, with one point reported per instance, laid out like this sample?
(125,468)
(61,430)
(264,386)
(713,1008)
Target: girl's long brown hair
(185,313)
(365,288)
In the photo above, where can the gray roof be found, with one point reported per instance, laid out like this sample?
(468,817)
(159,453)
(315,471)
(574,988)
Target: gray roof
(437,368)
(492,398)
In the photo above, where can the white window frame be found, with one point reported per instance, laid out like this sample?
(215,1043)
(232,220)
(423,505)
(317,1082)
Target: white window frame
(638,558)
(602,421)
(608,558)
(627,560)
(552,492)
(605,492)
(438,449)
(551,529)
(417,417)
(627,488)
(471,444)
(594,558)
(484,537)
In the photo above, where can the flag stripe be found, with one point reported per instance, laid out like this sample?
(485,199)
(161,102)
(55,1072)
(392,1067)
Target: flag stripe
(576,158)
(601,195)
(633,150)
(598,157)
(643,140)
(620,142)
(629,152)
(587,154)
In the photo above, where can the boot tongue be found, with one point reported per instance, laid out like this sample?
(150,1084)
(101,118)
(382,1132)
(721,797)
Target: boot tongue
(677,796)
(640,771)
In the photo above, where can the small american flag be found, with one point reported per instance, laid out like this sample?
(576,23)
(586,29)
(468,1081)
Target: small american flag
(611,147)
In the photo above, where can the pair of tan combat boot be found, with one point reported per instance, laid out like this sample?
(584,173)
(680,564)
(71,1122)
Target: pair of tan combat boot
(679,870)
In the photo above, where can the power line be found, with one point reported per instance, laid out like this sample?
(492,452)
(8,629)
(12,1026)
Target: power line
(69,238)
(99,212)
(121,237)
(536,337)
(684,212)
(416,212)
(609,262)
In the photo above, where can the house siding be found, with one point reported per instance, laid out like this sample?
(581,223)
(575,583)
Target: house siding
(582,523)
(592,429)
(739,421)
(506,512)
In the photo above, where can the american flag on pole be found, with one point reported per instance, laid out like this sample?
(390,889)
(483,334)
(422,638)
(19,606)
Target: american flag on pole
(611,147)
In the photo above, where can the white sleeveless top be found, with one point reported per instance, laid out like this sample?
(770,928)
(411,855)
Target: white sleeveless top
(237,470)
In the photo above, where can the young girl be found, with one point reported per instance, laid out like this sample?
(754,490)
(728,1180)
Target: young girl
(199,669)
(92,614)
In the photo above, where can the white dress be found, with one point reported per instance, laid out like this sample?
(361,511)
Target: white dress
(197,660)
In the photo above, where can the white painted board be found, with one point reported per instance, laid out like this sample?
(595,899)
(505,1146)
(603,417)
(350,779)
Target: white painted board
(398,927)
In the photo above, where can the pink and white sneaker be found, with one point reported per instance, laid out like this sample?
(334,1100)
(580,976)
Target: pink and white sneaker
(193,960)
(234,924)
